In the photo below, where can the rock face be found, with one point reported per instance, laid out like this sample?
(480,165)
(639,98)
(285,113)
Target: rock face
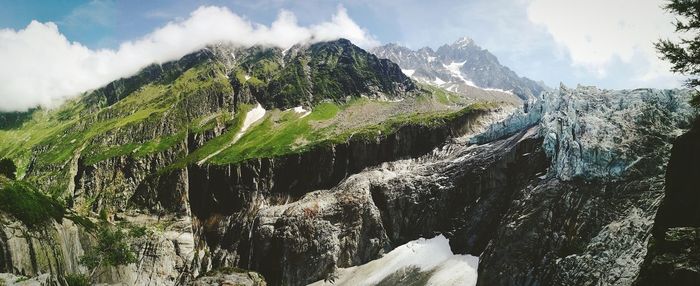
(460,67)
(30,254)
(588,220)
(545,195)
(597,134)
(164,258)
(381,208)
(280,232)
(229,276)
(305,75)
(674,248)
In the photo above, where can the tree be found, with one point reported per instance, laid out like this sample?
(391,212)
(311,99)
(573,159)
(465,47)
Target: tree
(684,55)
(112,249)
(8,168)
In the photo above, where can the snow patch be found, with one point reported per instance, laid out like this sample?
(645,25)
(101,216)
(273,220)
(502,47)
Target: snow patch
(454,67)
(247,77)
(302,111)
(438,81)
(499,90)
(251,117)
(425,254)
(408,72)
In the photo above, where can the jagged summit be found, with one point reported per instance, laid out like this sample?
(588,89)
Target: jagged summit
(303,75)
(463,42)
(462,67)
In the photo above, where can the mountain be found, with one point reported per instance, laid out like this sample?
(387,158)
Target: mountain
(460,67)
(324,164)
(158,151)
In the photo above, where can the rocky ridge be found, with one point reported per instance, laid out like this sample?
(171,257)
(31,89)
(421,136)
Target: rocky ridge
(462,67)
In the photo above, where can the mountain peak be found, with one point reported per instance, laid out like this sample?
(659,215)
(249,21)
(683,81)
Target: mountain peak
(462,63)
(463,41)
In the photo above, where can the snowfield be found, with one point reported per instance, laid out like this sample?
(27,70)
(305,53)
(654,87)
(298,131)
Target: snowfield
(408,72)
(416,259)
(251,117)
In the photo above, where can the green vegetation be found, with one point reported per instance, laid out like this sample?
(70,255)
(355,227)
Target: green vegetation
(8,168)
(36,210)
(290,133)
(112,249)
(101,153)
(61,133)
(219,142)
(684,54)
(28,205)
(77,280)
(160,115)
(273,137)
(440,95)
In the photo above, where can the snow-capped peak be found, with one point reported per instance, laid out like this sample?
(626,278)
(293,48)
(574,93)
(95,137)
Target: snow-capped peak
(464,41)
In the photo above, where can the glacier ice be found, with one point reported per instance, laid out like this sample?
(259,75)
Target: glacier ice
(592,133)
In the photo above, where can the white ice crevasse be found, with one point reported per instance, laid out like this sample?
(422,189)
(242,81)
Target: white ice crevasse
(432,254)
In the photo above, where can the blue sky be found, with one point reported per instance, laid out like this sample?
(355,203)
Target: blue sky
(597,42)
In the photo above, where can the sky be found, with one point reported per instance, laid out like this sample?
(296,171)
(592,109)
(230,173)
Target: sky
(52,50)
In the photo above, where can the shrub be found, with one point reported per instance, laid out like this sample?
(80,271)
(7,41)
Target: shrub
(77,280)
(112,249)
(28,205)
(8,168)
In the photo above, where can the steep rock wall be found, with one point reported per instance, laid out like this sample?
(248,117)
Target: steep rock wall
(674,249)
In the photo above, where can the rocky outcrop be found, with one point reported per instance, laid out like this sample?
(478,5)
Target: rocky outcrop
(588,220)
(53,250)
(294,237)
(291,176)
(164,257)
(230,276)
(572,233)
(306,75)
(674,248)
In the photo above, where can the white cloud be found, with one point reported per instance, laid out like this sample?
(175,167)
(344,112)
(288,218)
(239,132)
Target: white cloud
(42,67)
(598,33)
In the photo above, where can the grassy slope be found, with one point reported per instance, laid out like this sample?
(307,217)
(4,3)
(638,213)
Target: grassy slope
(67,129)
(61,133)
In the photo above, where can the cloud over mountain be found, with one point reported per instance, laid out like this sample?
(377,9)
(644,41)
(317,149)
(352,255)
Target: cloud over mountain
(42,67)
(601,33)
